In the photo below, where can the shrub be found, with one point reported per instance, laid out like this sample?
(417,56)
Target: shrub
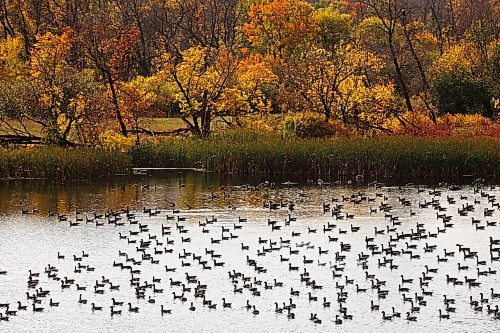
(115,141)
(418,123)
(311,125)
(459,93)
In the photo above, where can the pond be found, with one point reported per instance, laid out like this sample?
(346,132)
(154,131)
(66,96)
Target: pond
(194,252)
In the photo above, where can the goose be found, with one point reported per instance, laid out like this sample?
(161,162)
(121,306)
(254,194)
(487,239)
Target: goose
(414,308)
(386,317)
(443,316)
(115,312)
(374,306)
(491,310)
(410,318)
(37,309)
(315,319)
(449,308)
(403,289)
(81,300)
(116,303)
(10,312)
(360,290)
(225,304)
(132,309)
(447,300)
(164,311)
(307,261)
(21,307)
(430,270)
(33,274)
(403,280)
(96,308)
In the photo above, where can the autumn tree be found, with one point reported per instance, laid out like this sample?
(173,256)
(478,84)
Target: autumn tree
(49,90)
(337,85)
(458,85)
(108,46)
(386,22)
(333,27)
(181,24)
(280,27)
(137,102)
(215,83)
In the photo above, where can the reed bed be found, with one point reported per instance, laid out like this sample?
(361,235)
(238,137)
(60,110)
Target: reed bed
(400,158)
(61,163)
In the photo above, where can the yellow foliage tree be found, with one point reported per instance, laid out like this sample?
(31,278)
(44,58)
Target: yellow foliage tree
(337,85)
(210,83)
(50,70)
(48,89)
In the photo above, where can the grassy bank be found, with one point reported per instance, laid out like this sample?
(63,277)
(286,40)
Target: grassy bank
(61,163)
(399,158)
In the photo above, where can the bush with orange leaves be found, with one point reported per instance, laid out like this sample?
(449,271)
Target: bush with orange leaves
(418,123)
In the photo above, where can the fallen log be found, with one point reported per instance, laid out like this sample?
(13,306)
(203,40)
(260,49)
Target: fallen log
(19,139)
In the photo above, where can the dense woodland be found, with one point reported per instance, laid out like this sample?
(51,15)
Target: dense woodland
(87,70)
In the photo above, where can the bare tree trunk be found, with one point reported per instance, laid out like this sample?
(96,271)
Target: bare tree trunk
(400,78)
(4,19)
(114,96)
(205,129)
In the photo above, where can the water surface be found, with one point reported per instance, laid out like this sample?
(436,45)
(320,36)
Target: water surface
(33,241)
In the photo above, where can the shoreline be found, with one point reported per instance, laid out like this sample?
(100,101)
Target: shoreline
(248,153)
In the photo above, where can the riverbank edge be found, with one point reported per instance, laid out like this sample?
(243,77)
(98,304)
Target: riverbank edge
(397,158)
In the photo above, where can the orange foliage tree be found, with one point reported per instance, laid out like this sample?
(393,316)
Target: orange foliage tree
(108,48)
(280,26)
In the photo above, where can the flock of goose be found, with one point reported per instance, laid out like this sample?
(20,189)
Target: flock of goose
(361,271)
